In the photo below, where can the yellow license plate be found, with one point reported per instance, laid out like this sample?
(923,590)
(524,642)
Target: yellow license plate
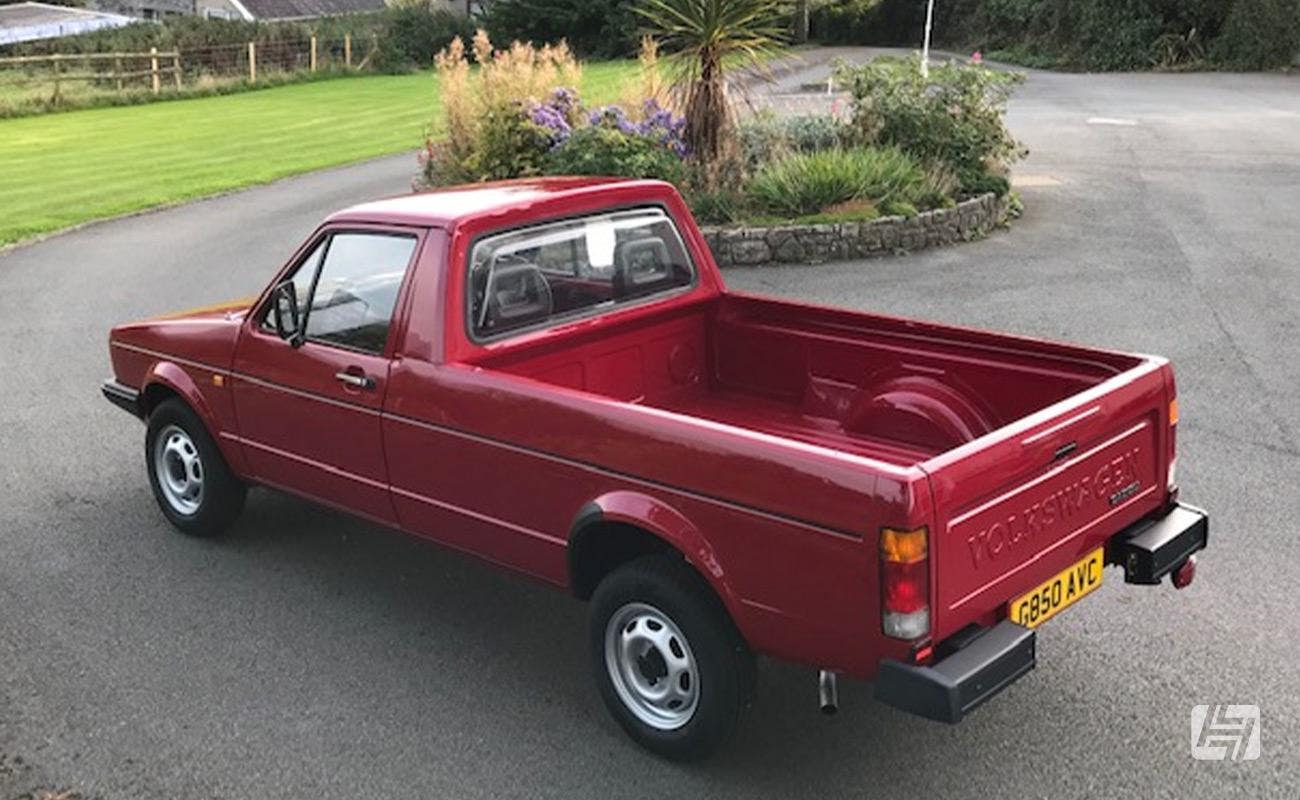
(1046,600)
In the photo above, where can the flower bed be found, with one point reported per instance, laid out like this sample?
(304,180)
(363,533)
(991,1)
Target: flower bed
(912,162)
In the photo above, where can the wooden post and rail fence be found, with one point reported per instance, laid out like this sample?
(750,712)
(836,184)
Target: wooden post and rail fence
(59,63)
(120,70)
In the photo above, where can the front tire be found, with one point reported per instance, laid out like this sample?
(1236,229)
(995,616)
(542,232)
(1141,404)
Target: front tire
(190,479)
(673,670)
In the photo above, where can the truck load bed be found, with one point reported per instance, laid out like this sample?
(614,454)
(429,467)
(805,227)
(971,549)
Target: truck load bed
(893,390)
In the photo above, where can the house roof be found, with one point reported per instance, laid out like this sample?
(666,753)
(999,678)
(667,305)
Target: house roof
(25,22)
(307,9)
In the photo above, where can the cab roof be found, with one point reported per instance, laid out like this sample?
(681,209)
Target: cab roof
(504,200)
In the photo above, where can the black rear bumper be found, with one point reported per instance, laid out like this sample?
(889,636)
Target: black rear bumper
(124,397)
(948,690)
(992,659)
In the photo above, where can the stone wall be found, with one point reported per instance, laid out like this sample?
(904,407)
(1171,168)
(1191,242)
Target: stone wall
(735,246)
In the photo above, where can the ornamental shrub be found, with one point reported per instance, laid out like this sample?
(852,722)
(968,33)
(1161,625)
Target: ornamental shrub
(808,183)
(657,124)
(764,137)
(606,150)
(488,113)
(954,118)
(516,116)
(808,133)
(612,143)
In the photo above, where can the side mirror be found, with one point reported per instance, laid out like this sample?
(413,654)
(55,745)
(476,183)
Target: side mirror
(284,308)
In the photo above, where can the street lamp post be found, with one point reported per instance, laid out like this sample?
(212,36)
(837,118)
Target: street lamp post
(925,46)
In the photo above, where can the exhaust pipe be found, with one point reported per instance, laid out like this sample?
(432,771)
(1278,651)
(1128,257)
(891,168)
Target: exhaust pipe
(828,692)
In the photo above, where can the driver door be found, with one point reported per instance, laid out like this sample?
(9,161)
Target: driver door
(309,414)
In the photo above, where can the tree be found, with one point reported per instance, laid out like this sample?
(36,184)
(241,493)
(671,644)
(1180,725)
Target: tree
(707,38)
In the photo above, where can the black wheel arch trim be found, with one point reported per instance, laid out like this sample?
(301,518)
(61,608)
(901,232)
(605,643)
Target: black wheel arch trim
(588,517)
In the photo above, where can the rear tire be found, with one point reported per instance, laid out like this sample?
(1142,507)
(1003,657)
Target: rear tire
(190,479)
(672,669)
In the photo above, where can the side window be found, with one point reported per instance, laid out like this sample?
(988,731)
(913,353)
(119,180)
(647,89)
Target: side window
(525,278)
(360,276)
(347,287)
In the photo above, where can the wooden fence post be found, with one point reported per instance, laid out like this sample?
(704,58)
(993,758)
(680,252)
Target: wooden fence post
(153,69)
(347,49)
(57,69)
(313,52)
(117,72)
(176,68)
(252,62)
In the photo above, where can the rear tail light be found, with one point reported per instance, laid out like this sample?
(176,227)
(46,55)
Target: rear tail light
(905,582)
(1173,450)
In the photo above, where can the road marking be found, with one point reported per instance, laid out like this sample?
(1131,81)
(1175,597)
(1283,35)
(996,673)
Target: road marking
(1034,180)
(1111,121)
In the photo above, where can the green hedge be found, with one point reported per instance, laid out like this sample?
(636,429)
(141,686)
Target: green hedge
(1082,34)
(593,28)
(1259,34)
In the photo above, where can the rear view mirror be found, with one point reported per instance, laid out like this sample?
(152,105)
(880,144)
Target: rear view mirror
(284,308)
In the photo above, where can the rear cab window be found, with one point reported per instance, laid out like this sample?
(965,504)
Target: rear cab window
(528,278)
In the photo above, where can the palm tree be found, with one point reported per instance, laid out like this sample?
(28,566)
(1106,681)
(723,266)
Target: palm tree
(708,37)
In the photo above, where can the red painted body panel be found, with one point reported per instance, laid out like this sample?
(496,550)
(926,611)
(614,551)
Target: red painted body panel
(185,353)
(767,441)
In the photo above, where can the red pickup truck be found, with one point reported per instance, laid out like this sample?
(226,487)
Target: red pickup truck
(551,375)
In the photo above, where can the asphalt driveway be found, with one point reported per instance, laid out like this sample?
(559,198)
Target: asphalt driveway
(312,655)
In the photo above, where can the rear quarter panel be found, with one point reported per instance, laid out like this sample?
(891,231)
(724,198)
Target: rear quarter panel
(502,466)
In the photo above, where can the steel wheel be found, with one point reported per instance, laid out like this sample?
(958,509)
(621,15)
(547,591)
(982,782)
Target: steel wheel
(651,666)
(179,470)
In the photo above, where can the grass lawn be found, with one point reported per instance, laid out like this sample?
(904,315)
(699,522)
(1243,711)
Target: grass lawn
(58,170)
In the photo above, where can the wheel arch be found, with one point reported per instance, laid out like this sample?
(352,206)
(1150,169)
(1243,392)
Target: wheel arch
(154,394)
(620,526)
(167,380)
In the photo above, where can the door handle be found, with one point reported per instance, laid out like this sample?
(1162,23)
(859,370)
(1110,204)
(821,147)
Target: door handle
(355,380)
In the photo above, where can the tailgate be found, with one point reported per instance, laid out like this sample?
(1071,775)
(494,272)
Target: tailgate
(1017,506)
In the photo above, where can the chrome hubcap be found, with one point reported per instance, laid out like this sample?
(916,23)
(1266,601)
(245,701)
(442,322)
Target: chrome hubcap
(651,666)
(179,470)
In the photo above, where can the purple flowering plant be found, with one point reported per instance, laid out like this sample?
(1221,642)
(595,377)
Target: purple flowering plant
(555,116)
(555,120)
(657,124)
(660,124)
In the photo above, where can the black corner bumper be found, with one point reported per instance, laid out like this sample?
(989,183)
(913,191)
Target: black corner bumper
(950,689)
(124,397)
(1155,547)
